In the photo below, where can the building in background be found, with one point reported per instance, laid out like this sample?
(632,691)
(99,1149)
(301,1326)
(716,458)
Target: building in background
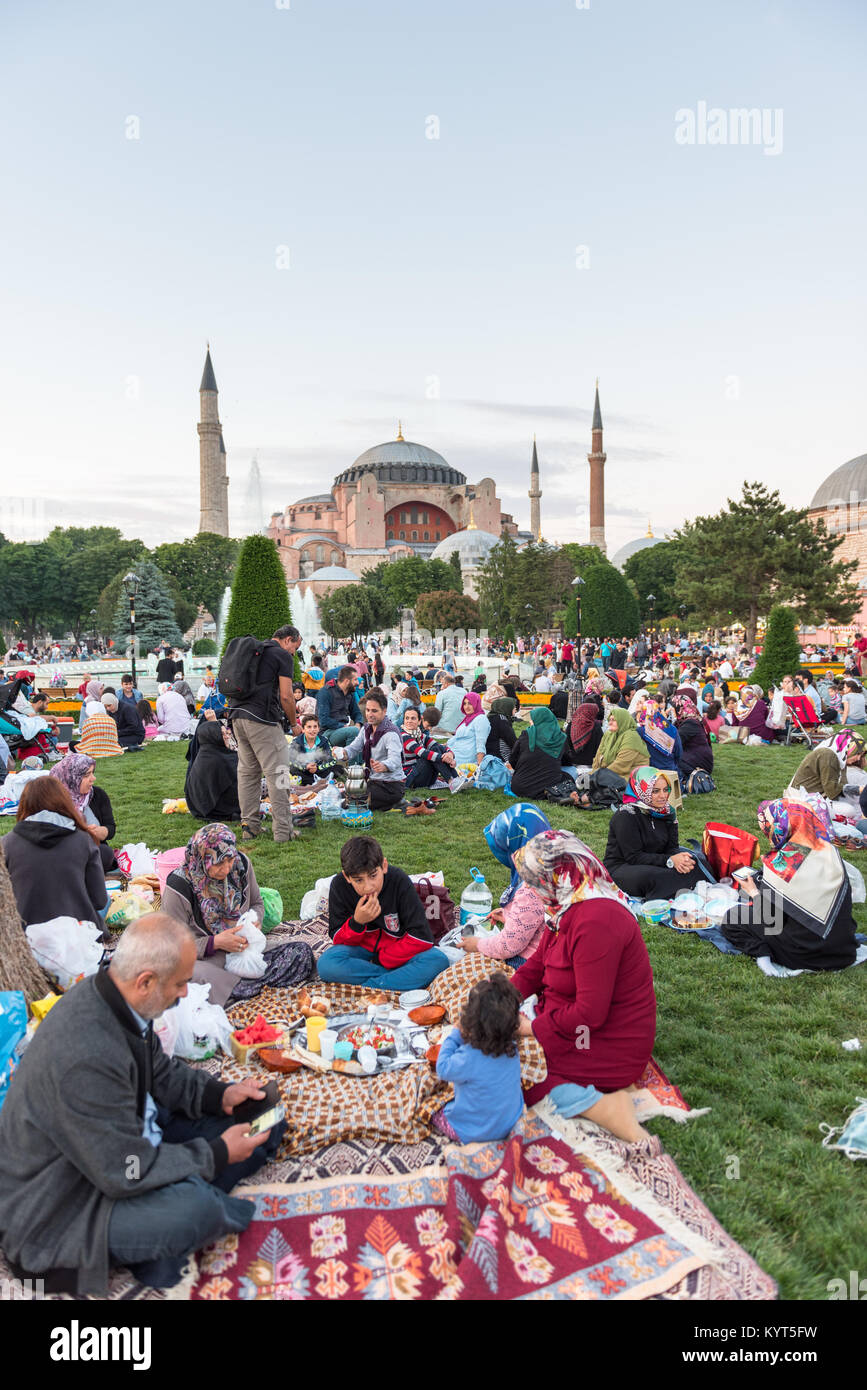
(596,459)
(841,502)
(213,480)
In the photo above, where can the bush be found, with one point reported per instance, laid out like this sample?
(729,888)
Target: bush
(205,646)
(608,605)
(446,609)
(260,599)
(781,650)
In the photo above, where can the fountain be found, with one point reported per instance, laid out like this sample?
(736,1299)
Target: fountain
(223,615)
(304,616)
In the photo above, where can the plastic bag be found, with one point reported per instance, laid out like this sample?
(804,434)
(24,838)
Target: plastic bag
(273,904)
(856,882)
(13,1026)
(135,859)
(200,1027)
(315,901)
(126,908)
(66,949)
(249,964)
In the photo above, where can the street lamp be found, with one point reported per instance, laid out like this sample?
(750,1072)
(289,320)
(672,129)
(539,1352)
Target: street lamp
(576,586)
(130,584)
(651,599)
(682,611)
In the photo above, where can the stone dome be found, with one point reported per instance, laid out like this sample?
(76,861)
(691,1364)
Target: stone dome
(336,574)
(473,547)
(401,461)
(632,548)
(838,486)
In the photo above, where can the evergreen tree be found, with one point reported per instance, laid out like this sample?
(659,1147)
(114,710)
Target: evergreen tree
(260,599)
(200,568)
(654,571)
(781,651)
(497,584)
(608,606)
(155,620)
(458,581)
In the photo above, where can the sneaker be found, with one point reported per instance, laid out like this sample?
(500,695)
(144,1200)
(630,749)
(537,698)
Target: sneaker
(456,783)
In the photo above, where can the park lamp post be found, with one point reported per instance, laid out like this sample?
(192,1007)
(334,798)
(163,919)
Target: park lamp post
(651,599)
(682,611)
(576,586)
(130,584)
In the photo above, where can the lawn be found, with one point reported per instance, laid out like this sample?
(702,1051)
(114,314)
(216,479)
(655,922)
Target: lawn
(763,1054)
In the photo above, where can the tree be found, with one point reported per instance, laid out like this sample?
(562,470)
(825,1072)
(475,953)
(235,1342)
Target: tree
(457,583)
(399,583)
(29,586)
(497,585)
(204,646)
(260,599)
(781,650)
(608,606)
(448,611)
(200,568)
(654,571)
(155,620)
(350,611)
(86,557)
(758,553)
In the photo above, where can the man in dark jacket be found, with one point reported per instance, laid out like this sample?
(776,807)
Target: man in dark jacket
(130,729)
(338,709)
(110,1152)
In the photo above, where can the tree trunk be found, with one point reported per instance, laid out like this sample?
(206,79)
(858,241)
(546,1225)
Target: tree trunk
(752,624)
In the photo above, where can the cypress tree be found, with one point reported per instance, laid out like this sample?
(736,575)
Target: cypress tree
(608,605)
(260,599)
(781,650)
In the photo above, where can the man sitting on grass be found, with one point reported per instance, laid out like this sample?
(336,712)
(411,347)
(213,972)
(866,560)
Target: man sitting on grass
(377,923)
(380,749)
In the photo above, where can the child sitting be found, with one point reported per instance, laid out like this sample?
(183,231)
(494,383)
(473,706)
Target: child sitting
(377,923)
(311,752)
(481,1060)
(148,718)
(423,758)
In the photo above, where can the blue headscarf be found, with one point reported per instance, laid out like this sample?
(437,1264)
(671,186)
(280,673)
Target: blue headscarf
(511,830)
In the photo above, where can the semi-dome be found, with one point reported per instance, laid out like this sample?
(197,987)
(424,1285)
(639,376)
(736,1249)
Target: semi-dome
(838,486)
(399,461)
(472,546)
(337,574)
(632,548)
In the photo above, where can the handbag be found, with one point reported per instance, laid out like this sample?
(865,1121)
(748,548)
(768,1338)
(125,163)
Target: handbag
(439,907)
(726,848)
(699,781)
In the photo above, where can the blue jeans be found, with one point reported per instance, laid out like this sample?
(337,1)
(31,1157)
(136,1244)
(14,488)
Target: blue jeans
(352,965)
(152,1234)
(338,738)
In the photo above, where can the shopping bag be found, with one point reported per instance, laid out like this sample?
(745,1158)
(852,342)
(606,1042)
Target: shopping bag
(135,859)
(200,1027)
(66,949)
(726,848)
(273,904)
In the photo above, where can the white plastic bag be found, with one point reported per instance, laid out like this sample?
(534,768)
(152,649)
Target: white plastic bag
(136,859)
(66,949)
(856,882)
(315,901)
(202,1027)
(249,964)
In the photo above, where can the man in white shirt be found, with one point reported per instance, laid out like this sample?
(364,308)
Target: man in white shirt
(726,670)
(542,685)
(449,702)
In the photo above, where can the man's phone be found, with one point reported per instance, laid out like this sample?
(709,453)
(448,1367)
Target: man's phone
(249,1109)
(268,1120)
(742,874)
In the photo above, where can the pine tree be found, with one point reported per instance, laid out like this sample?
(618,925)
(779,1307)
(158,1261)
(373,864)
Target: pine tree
(155,621)
(781,651)
(457,583)
(260,599)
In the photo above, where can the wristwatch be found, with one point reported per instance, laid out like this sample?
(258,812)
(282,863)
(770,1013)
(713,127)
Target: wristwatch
(669,863)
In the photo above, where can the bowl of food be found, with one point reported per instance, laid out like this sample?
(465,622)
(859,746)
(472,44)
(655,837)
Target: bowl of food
(375,1035)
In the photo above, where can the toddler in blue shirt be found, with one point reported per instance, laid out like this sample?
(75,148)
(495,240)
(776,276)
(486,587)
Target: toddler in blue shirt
(481,1061)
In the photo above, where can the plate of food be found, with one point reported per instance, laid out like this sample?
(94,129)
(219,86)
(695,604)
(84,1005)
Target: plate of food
(376,1035)
(691,921)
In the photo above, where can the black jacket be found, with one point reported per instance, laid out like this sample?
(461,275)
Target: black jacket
(536,771)
(55,871)
(635,837)
(130,729)
(501,733)
(697,751)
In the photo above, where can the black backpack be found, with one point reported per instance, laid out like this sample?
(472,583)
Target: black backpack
(238,677)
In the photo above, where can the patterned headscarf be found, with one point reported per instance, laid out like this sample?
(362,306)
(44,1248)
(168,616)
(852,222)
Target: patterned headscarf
(493,692)
(564,871)
(584,721)
(840,744)
(639,792)
(803,868)
(508,832)
(782,820)
(220,901)
(685,708)
(476,702)
(71,771)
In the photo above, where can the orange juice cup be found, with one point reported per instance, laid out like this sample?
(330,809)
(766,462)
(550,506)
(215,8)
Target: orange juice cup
(315,1024)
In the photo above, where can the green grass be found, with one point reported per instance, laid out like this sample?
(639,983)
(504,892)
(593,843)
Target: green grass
(764,1054)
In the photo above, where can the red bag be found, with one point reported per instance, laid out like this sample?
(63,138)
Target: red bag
(726,848)
(439,909)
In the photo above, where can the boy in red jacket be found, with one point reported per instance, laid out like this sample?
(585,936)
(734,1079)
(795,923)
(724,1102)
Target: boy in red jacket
(377,923)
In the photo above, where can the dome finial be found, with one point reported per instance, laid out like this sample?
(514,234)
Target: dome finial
(649,530)
(471,525)
(400,438)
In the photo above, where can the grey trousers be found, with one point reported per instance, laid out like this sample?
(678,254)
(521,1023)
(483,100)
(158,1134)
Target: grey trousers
(263,752)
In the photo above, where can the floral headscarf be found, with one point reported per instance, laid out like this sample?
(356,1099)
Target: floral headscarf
(685,708)
(493,692)
(476,702)
(564,871)
(639,792)
(803,868)
(220,901)
(782,820)
(71,771)
(840,744)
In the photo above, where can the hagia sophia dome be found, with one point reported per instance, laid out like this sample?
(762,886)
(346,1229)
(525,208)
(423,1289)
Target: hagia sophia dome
(633,547)
(838,487)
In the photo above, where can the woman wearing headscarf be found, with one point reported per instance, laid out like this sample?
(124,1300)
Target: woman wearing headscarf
(584,734)
(76,772)
(406,695)
(831,767)
(211,786)
(596,1011)
(91,697)
(751,713)
(501,739)
(99,735)
(643,854)
(663,746)
(186,694)
(520,913)
(497,700)
(621,749)
(695,744)
(798,908)
(469,740)
(215,887)
(538,759)
(173,716)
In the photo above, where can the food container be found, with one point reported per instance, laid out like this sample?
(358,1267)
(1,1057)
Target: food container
(243,1051)
(656,910)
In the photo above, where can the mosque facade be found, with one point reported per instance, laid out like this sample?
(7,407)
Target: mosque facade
(841,502)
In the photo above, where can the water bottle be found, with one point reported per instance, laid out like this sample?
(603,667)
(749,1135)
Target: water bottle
(476,898)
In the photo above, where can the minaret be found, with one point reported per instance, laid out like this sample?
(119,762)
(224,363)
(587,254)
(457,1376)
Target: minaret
(534,495)
(596,459)
(213,482)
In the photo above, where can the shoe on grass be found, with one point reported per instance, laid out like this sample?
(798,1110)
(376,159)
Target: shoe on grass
(249,833)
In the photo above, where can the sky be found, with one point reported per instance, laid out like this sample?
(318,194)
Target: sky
(455,213)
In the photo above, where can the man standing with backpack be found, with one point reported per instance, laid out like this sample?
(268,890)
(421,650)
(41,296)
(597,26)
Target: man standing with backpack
(256,678)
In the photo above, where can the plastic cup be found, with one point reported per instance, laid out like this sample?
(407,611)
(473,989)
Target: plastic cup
(327,1042)
(315,1026)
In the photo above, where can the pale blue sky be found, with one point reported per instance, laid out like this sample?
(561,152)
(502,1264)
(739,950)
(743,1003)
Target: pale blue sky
(723,307)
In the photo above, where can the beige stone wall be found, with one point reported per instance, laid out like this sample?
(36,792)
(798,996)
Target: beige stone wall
(854,546)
